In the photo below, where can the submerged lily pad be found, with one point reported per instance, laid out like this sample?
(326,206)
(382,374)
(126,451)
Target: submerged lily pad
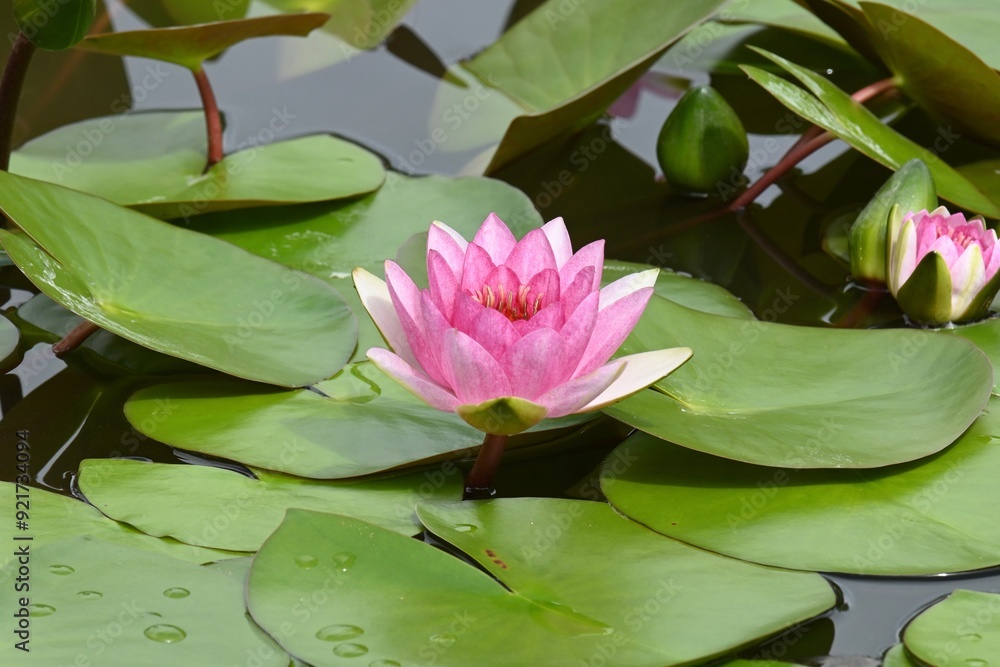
(925,517)
(566,63)
(10,345)
(805,397)
(116,606)
(657,602)
(364,423)
(189,46)
(173,290)
(223,509)
(153,162)
(963,629)
(53,517)
(833,110)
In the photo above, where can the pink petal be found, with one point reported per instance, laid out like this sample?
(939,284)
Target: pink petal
(535,363)
(550,317)
(476,374)
(543,285)
(375,298)
(435,326)
(408,302)
(562,247)
(494,332)
(449,244)
(614,324)
(477,266)
(927,233)
(413,380)
(570,397)
(502,276)
(945,247)
(627,285)
(591,254)
(466,311)
(574,293)
(641,370)
(531,255)
(495,238)
(405,293)
(443,285)
(578,330)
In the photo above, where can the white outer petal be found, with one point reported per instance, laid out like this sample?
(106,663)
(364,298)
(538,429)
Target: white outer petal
(375,298)
(557,234)
(641,370)
(459,239)
(626,285)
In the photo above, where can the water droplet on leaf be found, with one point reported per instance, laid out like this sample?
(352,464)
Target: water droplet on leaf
(61,569)
(168,634)
(338,633)
(90,595)
(177,593)
(443,639)
(344,560)
(466,528)
(350,650)
(306,562)
(41,610)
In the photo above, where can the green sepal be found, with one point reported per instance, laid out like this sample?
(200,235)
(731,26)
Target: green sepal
(912,189)
(55,25)
(926,295)
(509,415)
(702,145)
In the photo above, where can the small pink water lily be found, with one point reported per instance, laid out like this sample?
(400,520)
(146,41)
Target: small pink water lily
(511,332)
(941,267)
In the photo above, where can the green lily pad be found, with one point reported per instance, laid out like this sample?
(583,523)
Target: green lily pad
(689,292)
(758,663)
(221,307)
(659,602)
(190,46)
(897,657)
(972,23)
(53,517)
(803,397)
(937,72)
(963,629)
(100,603)
(223,509)
(365,423)
(153,162)
(362,23)
(103,350)
(566,63)
(55,25)
(164,13)
(924,517)
(832,109)
(986,336)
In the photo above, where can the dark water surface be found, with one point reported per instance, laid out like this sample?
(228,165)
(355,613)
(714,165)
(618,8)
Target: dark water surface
(390,100)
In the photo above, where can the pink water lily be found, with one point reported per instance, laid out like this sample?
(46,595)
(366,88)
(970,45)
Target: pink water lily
(511,332)
(941,267)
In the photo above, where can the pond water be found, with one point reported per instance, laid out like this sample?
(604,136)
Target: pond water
(389,101)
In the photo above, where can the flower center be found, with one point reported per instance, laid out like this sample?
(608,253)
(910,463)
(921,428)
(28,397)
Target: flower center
(960,238)
(519,305)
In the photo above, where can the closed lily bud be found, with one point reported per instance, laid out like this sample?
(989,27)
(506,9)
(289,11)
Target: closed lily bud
(941,267)
(912,189)
(702,142)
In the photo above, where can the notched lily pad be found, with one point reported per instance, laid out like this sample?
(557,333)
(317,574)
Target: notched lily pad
(805,397)
(221,307)
(117,606)
(963,629)
(153,162)
(939,514)
(398,600)
(223,509)
(190,46)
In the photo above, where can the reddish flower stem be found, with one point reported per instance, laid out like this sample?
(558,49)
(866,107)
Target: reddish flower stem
(811,140)
(10,93)
(75,338)
(213,121)
(479,483)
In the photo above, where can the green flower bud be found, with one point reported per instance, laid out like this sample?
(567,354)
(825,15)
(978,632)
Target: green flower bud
(702,142)
(911,188)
